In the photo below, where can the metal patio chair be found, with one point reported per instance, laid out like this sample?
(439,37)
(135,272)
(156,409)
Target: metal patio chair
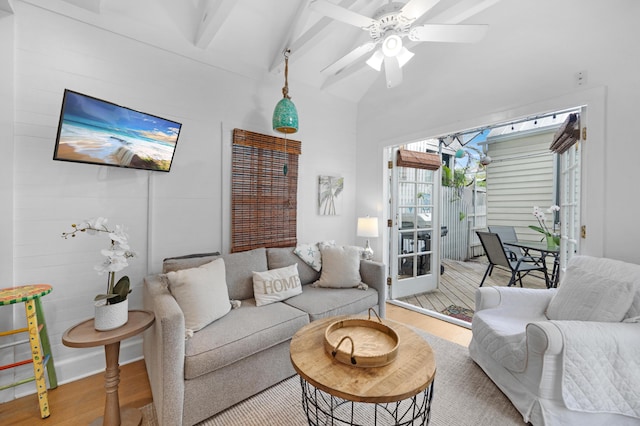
(508,235)
(497,256)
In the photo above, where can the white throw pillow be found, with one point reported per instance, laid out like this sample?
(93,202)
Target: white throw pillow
(276,285)
(583,296)
(310,253)
(201,293)
(340,267)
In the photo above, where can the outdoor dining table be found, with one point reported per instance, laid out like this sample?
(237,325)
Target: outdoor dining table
(544,250)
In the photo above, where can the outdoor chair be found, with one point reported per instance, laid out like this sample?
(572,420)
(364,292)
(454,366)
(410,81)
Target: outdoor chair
(508,235)
(497,256)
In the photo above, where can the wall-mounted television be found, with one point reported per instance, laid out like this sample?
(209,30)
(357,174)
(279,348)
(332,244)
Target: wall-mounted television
(95,131)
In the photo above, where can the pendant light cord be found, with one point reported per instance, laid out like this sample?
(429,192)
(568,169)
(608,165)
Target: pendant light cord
(285,89)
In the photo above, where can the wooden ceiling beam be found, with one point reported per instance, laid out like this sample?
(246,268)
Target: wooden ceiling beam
(307,40)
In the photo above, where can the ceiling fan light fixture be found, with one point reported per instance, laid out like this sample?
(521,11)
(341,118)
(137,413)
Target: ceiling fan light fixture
(375,61)
(392,45)
(404,56)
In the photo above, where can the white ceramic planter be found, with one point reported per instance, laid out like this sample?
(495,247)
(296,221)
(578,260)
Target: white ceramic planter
(108,317)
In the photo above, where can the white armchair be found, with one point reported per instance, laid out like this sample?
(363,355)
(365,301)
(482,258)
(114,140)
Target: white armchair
(567,356)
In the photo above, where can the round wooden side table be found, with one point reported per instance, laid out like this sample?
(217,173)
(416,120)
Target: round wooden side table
(84,335)
(398,393)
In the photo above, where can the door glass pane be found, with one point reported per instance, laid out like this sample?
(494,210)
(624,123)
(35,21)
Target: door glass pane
(406,174)
(407,194)
(406,217)
(424,264)
(423,217)
(423,194)
(424,175)
(407,243)
(405,267)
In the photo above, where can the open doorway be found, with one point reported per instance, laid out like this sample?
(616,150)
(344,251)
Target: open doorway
(494,175)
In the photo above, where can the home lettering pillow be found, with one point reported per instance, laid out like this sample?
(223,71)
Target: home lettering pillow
(201,293)
(340,267)
(583,296)
(276,284)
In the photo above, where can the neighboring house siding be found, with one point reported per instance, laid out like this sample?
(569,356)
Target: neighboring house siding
(520,176)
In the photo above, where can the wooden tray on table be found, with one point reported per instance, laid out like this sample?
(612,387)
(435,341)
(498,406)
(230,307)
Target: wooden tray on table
(362,342)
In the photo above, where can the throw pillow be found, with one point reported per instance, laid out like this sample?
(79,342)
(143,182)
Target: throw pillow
(583,296)
(276,285)
(201,293)
(188,261)
(340,267)
(310,253)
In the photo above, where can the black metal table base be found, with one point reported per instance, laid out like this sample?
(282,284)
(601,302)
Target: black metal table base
(324,409)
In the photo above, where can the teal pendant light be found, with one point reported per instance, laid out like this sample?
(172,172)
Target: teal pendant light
(285,115)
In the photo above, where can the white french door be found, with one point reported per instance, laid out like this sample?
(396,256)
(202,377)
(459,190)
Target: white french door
(570,189)
(414,231)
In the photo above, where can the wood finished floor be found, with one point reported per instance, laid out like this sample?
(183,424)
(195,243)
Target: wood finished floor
(82,401)
(459,283)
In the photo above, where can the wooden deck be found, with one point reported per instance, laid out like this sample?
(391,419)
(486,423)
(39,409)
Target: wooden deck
(459,283)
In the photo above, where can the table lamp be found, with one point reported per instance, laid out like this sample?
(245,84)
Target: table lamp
(368,228)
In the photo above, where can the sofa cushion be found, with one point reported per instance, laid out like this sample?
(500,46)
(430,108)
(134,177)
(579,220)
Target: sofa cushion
(585,296)
(613,269)
(240,267)
(341,267)
(239,334)
(201,293)
(187,261)
(324,302)
(504,339)
(281,257)
(275,285)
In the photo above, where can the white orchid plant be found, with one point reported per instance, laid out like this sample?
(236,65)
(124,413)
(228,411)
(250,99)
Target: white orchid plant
(543,228)
(117,256)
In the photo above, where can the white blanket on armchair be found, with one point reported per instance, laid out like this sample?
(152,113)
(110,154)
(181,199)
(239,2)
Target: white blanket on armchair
(600,375)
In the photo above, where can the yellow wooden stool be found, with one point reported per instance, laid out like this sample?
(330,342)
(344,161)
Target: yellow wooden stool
(38,338)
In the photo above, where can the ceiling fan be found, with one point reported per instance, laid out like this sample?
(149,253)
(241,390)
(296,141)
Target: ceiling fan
(388,26)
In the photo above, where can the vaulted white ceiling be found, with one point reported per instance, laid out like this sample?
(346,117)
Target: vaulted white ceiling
(248,37)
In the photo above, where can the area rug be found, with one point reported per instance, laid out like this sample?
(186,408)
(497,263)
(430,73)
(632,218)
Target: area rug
(459,312)
(463,396)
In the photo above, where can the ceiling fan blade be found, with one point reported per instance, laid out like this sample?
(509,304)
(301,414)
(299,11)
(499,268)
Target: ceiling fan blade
(341,14)
(350,57)
(416,8)
(448,33)
(392,71)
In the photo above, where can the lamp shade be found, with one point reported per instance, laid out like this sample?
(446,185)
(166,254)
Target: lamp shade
(367,227)
(285,117)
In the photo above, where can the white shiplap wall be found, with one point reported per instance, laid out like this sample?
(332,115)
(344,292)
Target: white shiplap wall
(166,214)
(6,181)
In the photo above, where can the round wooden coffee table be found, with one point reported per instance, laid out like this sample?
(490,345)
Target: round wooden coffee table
(399,393)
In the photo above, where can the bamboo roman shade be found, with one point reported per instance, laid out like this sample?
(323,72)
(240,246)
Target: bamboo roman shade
(263,199)
(567,135)
(418,160)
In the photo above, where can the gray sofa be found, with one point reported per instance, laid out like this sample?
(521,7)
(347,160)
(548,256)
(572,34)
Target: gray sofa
(247,350)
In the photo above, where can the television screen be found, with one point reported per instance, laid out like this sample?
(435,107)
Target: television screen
(100,132)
